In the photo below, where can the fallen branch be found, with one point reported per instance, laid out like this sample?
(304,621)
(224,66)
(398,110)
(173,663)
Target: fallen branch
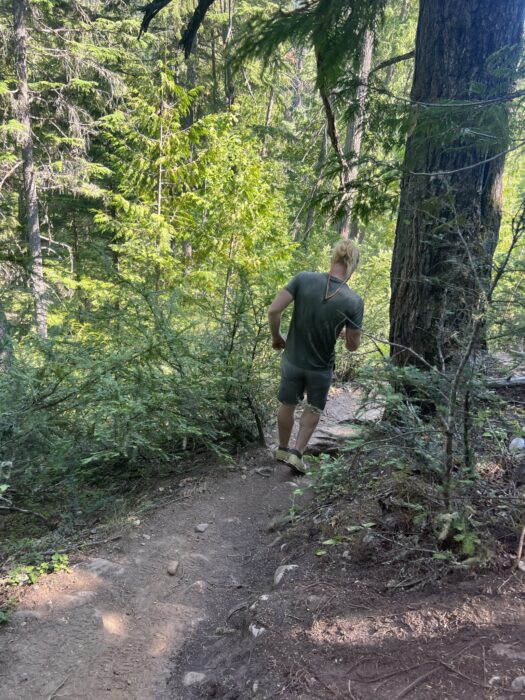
(508,383)
(14,509)
(406,691)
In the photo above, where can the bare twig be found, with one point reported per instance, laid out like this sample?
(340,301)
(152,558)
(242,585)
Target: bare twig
(410,687)
(519,553)
(392,61)
(519,145)
(59,686)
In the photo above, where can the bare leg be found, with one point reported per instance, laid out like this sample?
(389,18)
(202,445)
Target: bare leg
(307,425)
(285,418)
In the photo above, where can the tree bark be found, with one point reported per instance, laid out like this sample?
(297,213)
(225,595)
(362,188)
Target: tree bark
(312,209)
(23,113)
(450,205)
(354,136)
(6,353)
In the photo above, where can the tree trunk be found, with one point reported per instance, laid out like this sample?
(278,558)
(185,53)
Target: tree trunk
(450,206)
(312,209)
(268,119)
(354,135)
(6,354)
(229,89)
(23,114)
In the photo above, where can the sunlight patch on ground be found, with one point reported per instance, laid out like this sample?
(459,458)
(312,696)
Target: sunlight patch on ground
(426,623)
(180,619)
(113,624)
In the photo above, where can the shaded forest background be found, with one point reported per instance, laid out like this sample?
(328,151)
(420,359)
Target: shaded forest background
(151,206)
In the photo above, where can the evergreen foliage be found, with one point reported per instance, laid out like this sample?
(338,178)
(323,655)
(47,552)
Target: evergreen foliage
(176,197)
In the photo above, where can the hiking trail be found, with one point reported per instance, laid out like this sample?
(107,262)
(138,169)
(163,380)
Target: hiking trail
(208,597)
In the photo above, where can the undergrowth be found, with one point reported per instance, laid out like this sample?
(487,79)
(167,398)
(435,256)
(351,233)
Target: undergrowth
(382,498)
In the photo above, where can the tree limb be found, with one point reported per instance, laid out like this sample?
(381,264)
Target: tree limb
(151,10)
(392,61)
(14,509)
(188,36)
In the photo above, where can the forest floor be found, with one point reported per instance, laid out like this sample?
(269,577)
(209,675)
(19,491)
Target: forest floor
(230,622)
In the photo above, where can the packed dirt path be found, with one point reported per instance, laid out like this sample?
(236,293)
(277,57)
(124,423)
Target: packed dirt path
(109,627)
(245,609)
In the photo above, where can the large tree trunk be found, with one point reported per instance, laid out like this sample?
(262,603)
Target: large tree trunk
(450,207)
(23,114)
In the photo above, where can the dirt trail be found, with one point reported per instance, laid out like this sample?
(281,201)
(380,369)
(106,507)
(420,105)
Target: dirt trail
(119,626)
(108,628)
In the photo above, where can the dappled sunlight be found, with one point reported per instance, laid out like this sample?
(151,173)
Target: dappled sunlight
(113,623)
(175,628)
(80,588)
(425,623)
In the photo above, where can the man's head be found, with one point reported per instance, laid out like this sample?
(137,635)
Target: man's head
(345,253)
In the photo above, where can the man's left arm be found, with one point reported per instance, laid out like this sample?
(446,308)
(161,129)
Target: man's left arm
(278,305)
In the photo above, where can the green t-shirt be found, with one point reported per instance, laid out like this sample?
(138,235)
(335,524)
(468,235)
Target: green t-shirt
(316,321)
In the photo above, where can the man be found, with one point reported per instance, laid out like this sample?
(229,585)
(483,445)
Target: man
(324,308)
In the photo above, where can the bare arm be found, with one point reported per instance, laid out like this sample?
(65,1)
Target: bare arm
(278,305)
(352,339)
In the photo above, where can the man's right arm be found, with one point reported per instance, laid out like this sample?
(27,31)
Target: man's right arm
(353,328)
(352,339)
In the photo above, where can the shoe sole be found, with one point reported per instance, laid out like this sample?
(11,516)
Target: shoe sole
(281,455)
(296,463)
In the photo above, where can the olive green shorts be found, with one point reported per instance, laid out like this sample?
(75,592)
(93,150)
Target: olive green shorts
(296,381)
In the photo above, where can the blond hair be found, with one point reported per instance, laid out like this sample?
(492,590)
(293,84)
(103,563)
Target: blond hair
(346,253)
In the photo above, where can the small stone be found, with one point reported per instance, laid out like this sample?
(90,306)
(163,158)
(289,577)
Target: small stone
(517,445)
(255,686)
(369,539)
(256,631)
(495,680)
(193,678)
(313,600)
(509,651)
(280,572)
(199,586)
(518,683)
(173,567)
(202,527)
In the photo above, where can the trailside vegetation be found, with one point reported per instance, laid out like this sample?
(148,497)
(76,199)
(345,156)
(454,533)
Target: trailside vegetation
(165,170)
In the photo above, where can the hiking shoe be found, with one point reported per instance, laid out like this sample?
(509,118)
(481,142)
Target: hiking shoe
(281,454)
(294,459)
